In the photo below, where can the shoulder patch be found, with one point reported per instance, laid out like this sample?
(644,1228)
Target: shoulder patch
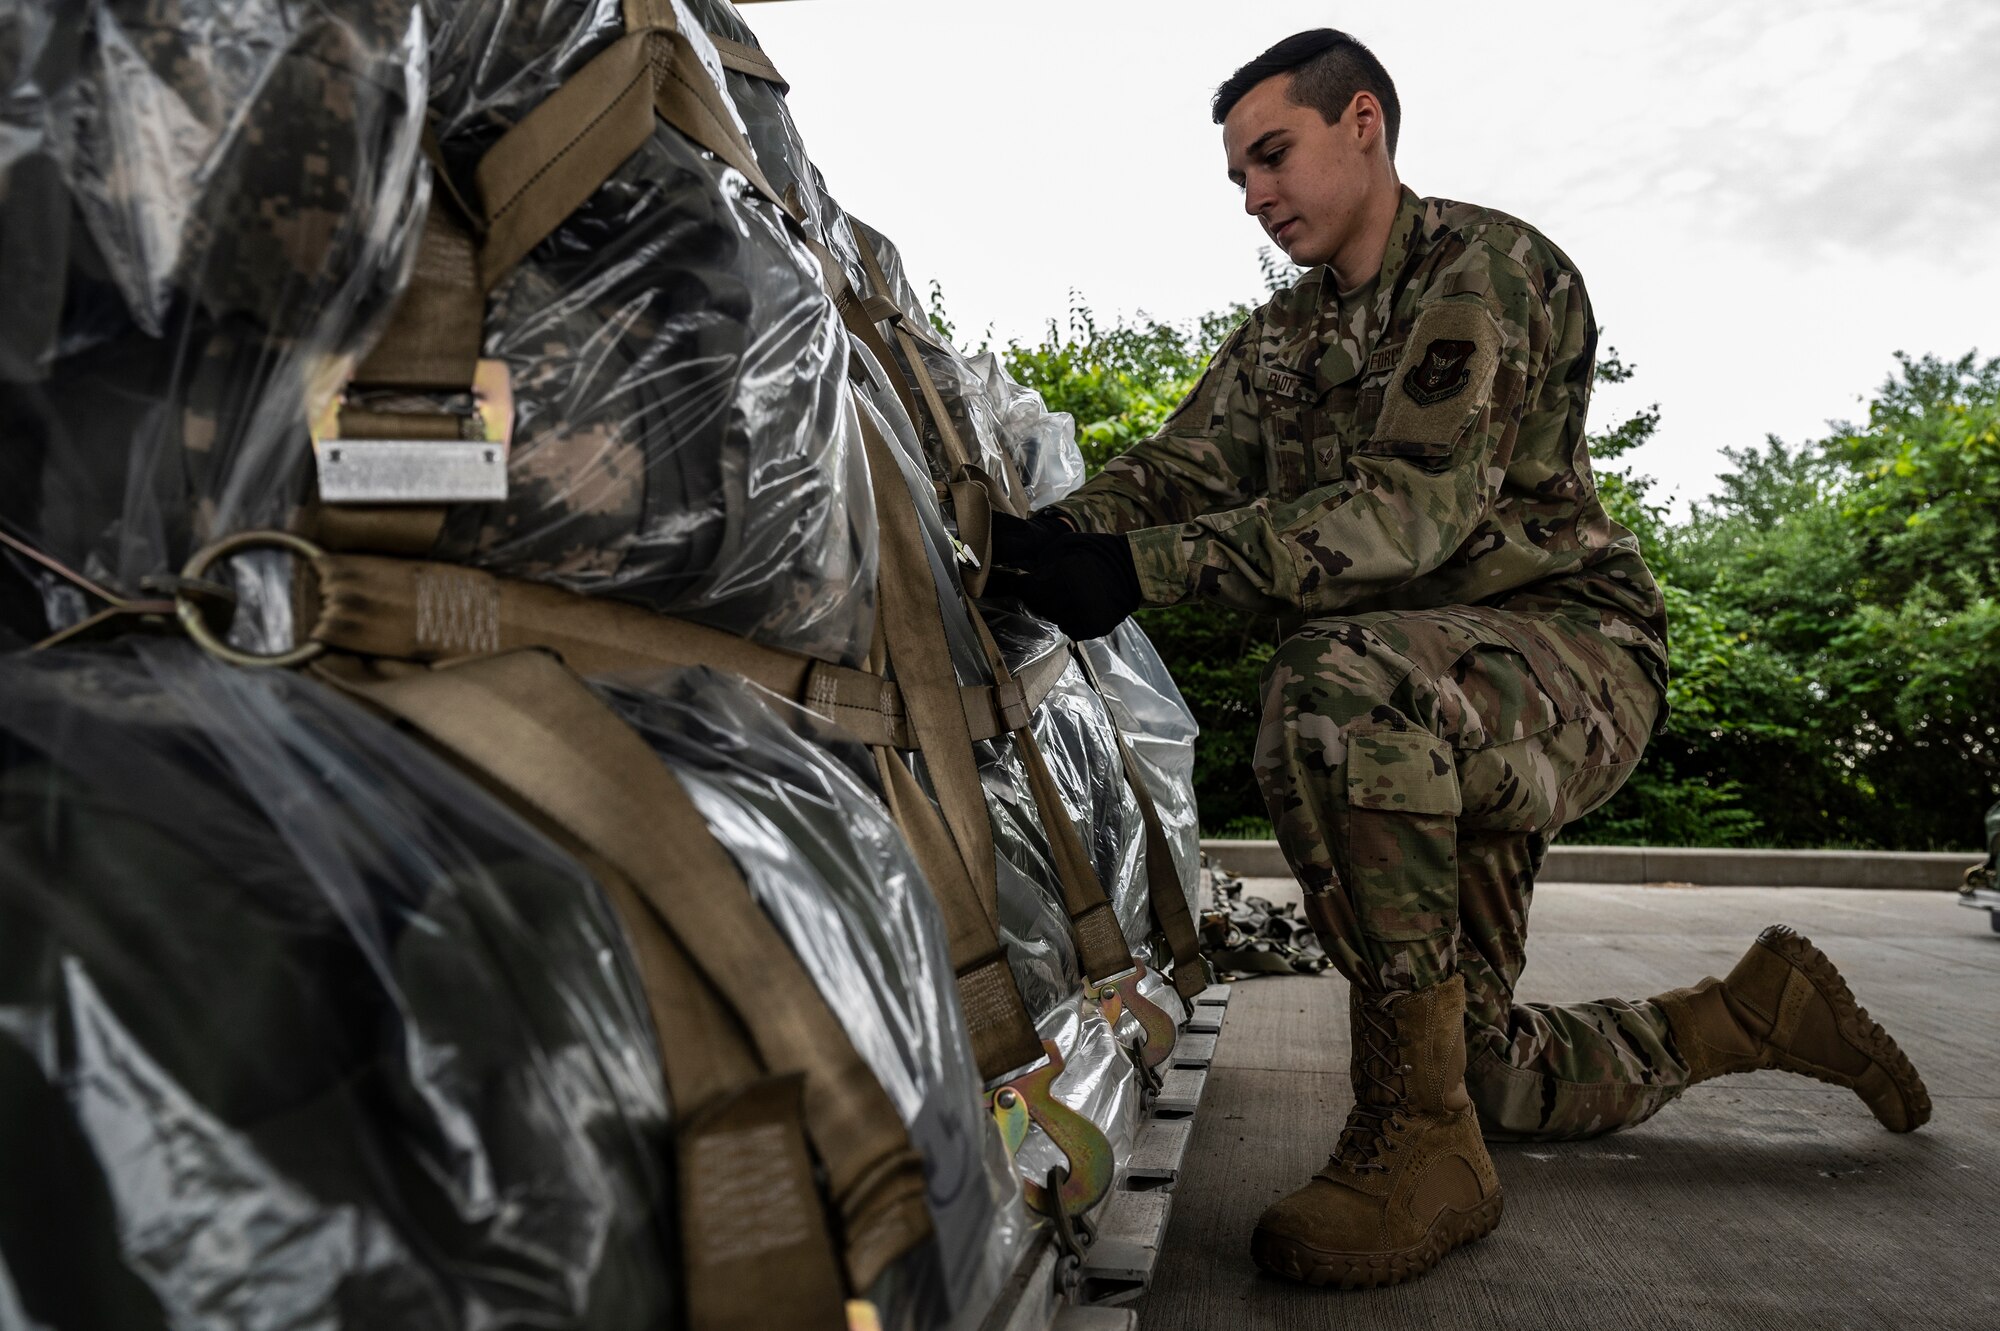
(1441,383)
(1443,373)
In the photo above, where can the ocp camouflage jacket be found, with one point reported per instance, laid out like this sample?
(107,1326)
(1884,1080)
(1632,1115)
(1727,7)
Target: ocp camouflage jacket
(1414,444)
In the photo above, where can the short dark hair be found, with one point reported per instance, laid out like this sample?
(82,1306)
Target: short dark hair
(1327,68)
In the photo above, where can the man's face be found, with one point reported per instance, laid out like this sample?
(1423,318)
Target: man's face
(1305,181)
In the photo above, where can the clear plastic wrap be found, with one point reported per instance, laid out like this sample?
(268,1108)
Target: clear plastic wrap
(1041,442)
(333,1015)
(216,204)
(246,180)
(298,1027)
(677,370)
(1161,730)
(790,803)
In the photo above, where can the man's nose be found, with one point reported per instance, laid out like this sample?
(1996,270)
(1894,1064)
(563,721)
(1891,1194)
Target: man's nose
(1258,197)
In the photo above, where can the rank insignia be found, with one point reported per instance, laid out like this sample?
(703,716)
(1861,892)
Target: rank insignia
(1445,369)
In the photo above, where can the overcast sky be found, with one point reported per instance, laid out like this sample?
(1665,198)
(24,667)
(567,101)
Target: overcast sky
(1766,199)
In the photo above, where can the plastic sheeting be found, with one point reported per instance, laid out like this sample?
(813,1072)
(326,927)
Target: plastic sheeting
(229,194)
(793,807)
(245,182)
(677,370)
(328,1037)
(1157,723)
(208,209)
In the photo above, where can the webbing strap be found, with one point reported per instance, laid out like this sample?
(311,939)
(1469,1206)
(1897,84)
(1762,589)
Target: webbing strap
(849,304)
(996,1018)
(423,611)
(746,59)
(728,1112)
(880,309)
(959,458)
(1163,880)
(557,155)
(432,341)
(431,345)
(1100,942)
(912,622)
(971,497)
(531,729)
(954,841)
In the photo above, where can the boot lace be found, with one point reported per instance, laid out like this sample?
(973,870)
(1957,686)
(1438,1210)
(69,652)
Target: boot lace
(1380,1093)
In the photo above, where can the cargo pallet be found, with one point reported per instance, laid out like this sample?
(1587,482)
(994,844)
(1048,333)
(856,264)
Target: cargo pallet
(1131,1225)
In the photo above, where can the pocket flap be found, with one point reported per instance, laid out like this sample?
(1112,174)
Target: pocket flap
(1401,771)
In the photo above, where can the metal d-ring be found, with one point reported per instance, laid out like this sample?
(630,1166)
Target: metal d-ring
(189,609)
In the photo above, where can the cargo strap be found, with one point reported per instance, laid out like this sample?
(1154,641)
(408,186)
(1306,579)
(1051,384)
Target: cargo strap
(1100,943)
(431,346)
(422,611)
(747,59)
(878,309)
(911,620)
(530,729)
(555,157)
(970,489)
(1163,882)
(913,627)
(953,843)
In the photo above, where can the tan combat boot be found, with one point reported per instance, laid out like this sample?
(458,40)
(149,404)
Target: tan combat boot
(1785,1006)
(1409,1179)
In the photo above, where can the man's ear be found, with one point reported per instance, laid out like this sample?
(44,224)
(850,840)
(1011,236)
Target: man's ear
(1364,119)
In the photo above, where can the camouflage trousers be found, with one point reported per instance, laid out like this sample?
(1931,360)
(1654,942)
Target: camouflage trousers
(1416,765)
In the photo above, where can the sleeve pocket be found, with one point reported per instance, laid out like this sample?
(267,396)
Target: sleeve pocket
(1440,386)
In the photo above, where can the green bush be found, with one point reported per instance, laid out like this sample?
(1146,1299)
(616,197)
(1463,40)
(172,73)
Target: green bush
(1834,611)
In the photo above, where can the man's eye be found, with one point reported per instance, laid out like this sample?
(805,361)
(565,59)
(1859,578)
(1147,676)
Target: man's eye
(1275,157)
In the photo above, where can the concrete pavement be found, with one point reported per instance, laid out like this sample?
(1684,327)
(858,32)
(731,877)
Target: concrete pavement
(1921,871)
(1758,1201)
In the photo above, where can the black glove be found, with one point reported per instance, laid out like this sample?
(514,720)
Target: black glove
(1018,543)
(1085,584)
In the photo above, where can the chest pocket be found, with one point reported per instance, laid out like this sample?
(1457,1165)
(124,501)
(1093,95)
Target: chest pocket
(1289,417)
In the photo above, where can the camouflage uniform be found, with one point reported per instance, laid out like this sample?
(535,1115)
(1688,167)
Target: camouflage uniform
(1483,653)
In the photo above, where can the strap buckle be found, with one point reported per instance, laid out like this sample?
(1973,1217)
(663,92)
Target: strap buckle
(468,465)
(1120,994)
(1029,1097)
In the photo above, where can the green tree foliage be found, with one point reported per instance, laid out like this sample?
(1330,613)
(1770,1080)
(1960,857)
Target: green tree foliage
(1834,609)
(1835,613)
